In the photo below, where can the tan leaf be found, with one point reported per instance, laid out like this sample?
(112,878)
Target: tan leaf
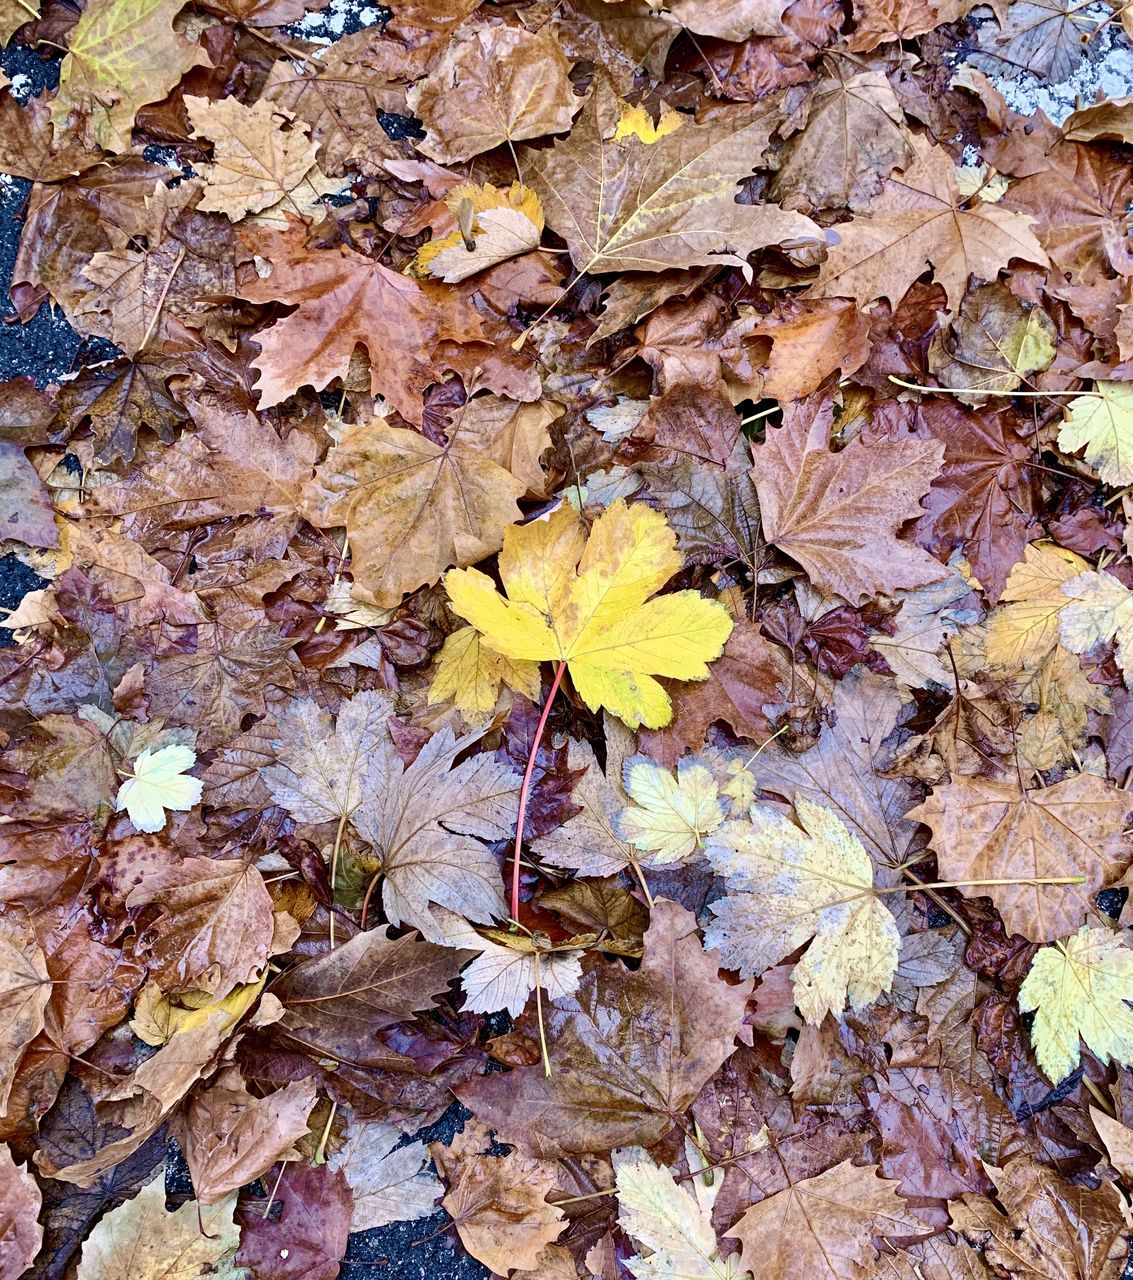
(411,507)
(634,206)
(1118,1140)
(216,923)
(230,1137)
(988,830)
(730,19)
(588,842)
(25,989)
(255,164)
(390,1182)
(141,1241)
(494,85)
(498,1204)
(20,1203)
(918,220)
(854,138)
(821,1228)
(1024,629)
(838,514)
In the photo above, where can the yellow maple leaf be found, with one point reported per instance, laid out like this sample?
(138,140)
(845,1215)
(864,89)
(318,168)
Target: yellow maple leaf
(1100,609)
(1101,423)
(584,602)
(495,225)
(1080,987)
(669,816)
(787,885)
(471,674)
(1024,629)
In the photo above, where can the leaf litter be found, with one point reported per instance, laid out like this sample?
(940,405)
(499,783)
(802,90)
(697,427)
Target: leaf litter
(596,585)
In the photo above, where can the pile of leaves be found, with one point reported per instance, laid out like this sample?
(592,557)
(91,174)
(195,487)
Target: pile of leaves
(596,584)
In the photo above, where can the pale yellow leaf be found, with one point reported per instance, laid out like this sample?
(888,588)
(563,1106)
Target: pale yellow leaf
(1024,629)
(669,816)
(1100,610)
(1101,423)
(158,783)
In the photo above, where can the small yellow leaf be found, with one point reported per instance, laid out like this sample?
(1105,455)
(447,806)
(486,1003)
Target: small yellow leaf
(1100,609)
(471,675)
(1024,629)
(596,616)
(159,783)
(787,885)
(636,122)
(503,224)
(669,815)
(157,1019)
(1080,987)
(1102,425)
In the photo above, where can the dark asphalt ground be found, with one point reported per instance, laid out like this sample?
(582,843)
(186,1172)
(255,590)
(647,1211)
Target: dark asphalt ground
(46,349)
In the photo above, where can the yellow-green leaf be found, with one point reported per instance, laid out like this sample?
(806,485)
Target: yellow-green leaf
(471,674)
(669,816)
(1102,425)
(1080,987)
(585,602)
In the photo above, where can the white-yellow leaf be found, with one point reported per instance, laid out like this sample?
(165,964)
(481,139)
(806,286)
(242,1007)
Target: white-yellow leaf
(159,782)
(670,816)
(1100,609)
(1101,423)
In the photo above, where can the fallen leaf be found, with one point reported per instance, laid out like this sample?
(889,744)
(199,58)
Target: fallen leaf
(1080,987)
(471,674)
(120,56)
(596,619)
(159,782)
(308,1239)
(26,987)
(344,299)
(609,1084)
(1101,424)
(636,206)
(254,163)
(671,1221)
(1098,611)
(822,1228)
(838,514)
(1118,1141)
(1024,629)
(983,829)
(20,1204)
(918,219)
(140,1240)
(389,1178)
(231,1138)
(502,225)
(493,85)
(787,885)
(412,507)
(669,816)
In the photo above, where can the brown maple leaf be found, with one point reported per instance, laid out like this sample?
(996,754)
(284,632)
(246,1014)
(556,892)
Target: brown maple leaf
(344,299)
(919,220)
(634,206)
(610,1085)
(983,829)
(838,514)
(493,85)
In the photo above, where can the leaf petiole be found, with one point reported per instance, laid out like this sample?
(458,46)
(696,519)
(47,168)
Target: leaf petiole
(560,671)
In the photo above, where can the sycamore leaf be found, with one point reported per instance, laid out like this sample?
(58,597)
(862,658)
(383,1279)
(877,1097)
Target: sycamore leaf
(254,163)
(499,1205)
(1081,986)
(140,1240)
(628,205)
(919,220)
(670,1221)
(1100,610)
(426,824)
(1024,629)
(989,830)
(158,783)
(787,885)
(121,55)
(1102,424)
(504,977)
(471,674)
(669,816)
(493,85)
(344,299)
(588,842)
(502,225)
(391,1182)
(413,507)
(585,602)
(838,513)
(317,776)
(820,1228)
